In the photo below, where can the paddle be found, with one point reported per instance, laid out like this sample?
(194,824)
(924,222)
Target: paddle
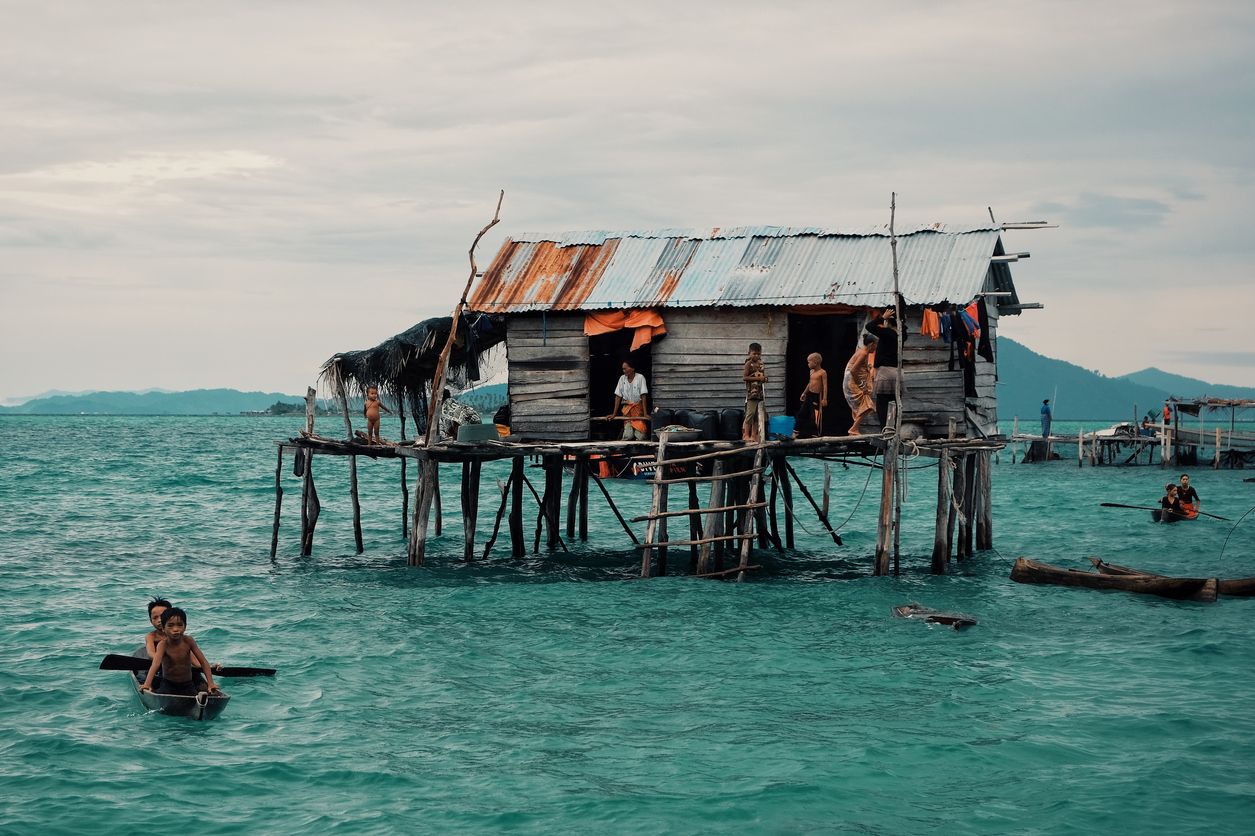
(117,662)
(1173,513)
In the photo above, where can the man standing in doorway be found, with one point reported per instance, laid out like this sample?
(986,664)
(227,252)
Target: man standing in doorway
(631,397)
(1045,418)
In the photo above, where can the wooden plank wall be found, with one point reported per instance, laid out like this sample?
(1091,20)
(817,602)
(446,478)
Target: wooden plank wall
(934,394)
(548,376)
(698,365)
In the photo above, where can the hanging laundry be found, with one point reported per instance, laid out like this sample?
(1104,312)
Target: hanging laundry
(985,348)
(930,326)
(944,325)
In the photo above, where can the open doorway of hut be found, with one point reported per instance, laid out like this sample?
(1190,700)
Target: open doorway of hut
(834,336)
(606,355)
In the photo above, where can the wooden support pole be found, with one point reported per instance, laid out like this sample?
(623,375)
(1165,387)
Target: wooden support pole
(985,507)
(969,503)
(941,536)
(884,522)
(614,508)
(357,505)
(1216,461)
(773,521)
(311,396)
(583,499)
(313,507)
(405,482)
(657,503)
(301,465)
(518,547)
(428,481)
(752,493)
(573,500)
(274,532)
(496,525)
(553,500)
(695,520)
(758,504)
(786,493)
(823,518)
(827,486)
(439,507)
(470,506)
(713,526)
(958,493)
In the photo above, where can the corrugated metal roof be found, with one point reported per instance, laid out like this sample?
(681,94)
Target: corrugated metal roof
(736,267)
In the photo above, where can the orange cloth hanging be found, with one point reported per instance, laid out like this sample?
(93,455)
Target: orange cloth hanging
(931,325)
(647,324)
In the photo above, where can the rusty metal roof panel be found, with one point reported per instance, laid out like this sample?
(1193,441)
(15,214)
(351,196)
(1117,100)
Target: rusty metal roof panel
(741,267)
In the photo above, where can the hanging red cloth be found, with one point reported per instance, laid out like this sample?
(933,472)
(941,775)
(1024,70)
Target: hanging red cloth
(646,324)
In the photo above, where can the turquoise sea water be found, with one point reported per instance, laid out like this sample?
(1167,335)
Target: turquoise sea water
(554,695)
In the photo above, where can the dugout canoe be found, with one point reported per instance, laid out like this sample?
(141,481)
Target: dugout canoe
(949,619)
(1233,587)
(203,706)
(1181,589)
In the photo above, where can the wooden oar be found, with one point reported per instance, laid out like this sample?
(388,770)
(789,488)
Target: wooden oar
(1173,513)
(117,662)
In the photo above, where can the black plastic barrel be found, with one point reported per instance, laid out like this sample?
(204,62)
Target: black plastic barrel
(706,420)
(730,421)
(662,418)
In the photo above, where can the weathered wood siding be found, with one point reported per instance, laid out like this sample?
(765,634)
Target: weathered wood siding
(698,365)
(548,376)
(934,394)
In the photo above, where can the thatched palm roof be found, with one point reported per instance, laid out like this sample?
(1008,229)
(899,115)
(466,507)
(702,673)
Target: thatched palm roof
(403,366)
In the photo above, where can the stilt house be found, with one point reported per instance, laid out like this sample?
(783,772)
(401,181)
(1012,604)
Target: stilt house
(682,307)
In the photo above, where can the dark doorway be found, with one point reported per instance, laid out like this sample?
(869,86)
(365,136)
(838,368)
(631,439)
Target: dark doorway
(834,337)
(606,354)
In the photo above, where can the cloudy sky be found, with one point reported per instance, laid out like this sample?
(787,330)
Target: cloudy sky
(200,195)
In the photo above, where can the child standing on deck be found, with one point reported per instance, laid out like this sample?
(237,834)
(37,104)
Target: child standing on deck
(175,655)
(814,399)
(755,375)
(370,408)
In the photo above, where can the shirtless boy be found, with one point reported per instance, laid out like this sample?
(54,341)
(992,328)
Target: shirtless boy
(814,398)
(370,408)
(156,607)
(175,656)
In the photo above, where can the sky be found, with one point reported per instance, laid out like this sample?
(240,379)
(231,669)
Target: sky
(224,195)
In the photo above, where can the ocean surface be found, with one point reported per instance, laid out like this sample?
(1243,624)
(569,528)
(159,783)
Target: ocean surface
(555,694)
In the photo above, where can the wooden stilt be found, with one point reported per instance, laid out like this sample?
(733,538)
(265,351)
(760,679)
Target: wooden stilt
(884,523)
(772,521)
(786,493)
(827,486)
(823,517)
(984,503)
(435,500)
(553,497)
(496,525)
(405,482)
(313,507)
(751,494)
(428,480)
(518,547)
(274,533)
(969,504)
(573,501)
(760,517)
(941,537)
(618,516)
(299,464)
(357,505)
(695,521)
(714,519)
(657,503)
(962,540)
(470,506)
(583,499)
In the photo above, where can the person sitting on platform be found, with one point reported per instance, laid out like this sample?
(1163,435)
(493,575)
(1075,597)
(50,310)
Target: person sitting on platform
(1188,497)
(175,656)
(454,413)
(810,418)
(631,400)
(370,408)
(1146,429)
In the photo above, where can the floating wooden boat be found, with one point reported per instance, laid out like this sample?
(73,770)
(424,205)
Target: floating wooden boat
(950,619)
(1182,589)
(1233,587)
(203,706)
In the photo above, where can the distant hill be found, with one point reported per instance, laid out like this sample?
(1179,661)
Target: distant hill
(1186,387)
(196,402)
(1026,377)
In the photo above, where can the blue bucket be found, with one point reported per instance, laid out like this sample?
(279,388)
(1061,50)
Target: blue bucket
(780,426)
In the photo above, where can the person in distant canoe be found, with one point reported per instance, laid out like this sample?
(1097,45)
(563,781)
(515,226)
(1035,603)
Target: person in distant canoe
(814,398)
(370,408)
(856,383)
(1171,502)
(754,373)
(176,654)
(156,607)
(1046,417)
(631,400)
(1188,497)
